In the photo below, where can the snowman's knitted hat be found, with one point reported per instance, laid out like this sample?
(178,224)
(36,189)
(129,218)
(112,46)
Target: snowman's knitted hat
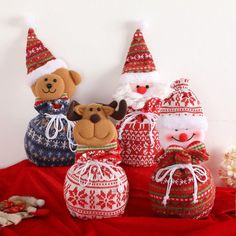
(39,60)
(139,65)
(182,109)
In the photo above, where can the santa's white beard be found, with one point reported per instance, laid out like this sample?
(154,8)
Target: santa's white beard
(137,100)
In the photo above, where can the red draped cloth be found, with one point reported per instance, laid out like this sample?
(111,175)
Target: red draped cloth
(25,178)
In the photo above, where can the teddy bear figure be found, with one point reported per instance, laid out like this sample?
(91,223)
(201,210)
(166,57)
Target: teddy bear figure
(180,187)
(95,186)
(48,139)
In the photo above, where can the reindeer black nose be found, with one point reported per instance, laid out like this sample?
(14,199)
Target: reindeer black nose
(49,86)
(95,118)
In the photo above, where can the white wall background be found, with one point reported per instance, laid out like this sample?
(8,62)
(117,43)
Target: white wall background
(188,38)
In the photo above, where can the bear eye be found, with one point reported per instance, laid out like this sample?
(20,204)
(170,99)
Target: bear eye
(91,109)
(147,86)
(46,79)
(137,86)
(55,80)
(98,109)
(176,130)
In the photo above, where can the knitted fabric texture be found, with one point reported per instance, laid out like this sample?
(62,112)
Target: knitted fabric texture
(139,58)
(139,137)
(181,200)
(95,186)
(43,150)
(182,101)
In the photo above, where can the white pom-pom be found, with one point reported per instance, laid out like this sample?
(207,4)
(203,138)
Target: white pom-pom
(142,25)
(40,202)
(30,21)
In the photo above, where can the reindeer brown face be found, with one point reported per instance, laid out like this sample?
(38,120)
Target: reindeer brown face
(93,127)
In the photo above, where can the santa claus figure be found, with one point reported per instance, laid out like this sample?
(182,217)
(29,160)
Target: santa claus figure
(180,186)
(141,89)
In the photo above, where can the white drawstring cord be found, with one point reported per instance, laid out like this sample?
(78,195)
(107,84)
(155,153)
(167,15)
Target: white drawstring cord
(90,164)
(57,123)
(151,117)
(195,170)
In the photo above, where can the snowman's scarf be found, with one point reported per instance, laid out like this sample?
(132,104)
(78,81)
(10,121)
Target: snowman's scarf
(56,121)
(151,119)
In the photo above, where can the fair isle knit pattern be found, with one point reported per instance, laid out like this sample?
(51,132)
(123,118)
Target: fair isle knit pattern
(95,186)
(137,149)
(182,101)
(37,54)
(139,58)
(180,202)
(41,150)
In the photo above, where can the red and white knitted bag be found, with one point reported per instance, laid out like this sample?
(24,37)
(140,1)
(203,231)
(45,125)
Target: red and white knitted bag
(95,186)
(138,135)
(179,186)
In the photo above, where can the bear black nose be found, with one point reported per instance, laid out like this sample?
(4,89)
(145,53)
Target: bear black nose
(49,86)
(94,118)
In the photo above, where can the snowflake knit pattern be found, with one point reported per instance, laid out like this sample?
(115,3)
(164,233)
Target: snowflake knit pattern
(40,149)
(139,139)
(191,194)
(95,186)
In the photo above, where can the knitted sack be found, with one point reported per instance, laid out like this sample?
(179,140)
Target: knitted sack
(138,135)
(179,186)
(48,139)
(95,186)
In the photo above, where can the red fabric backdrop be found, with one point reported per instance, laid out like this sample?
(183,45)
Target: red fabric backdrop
(26,179)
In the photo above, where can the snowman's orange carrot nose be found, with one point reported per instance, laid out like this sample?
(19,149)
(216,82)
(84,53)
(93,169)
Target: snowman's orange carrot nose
(183,137)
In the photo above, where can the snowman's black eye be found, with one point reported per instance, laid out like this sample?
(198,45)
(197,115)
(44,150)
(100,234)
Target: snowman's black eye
(137,86)
(147,86)
(176,130)
(187,129)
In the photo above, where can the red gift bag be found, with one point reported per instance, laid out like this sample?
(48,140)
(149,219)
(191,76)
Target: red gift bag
(179,186)
(138,135)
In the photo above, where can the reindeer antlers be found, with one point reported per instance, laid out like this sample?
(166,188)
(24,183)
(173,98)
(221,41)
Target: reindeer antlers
(120,114)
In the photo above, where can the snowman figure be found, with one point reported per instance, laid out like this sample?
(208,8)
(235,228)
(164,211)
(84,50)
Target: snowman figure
(180,186)
(142,90)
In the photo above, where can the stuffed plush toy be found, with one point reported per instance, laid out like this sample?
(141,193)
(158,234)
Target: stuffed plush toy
(180,187)
(95,186)
(48,140)
(16,208)
(141,89)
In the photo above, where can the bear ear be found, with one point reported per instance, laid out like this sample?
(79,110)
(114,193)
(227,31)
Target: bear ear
(75,76)
(71,114)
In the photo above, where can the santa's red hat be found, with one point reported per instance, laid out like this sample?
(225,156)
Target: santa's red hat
(39,60)
(139,65)
(182,108)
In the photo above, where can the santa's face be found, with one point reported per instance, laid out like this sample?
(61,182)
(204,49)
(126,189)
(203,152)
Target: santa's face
(182,137)
(141,88)
(136,94)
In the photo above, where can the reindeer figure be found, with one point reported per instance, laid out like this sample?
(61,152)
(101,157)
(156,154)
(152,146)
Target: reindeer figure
(95,186)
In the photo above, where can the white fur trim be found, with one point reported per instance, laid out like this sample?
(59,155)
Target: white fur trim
(182,122)
(141,77)
(47,68)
